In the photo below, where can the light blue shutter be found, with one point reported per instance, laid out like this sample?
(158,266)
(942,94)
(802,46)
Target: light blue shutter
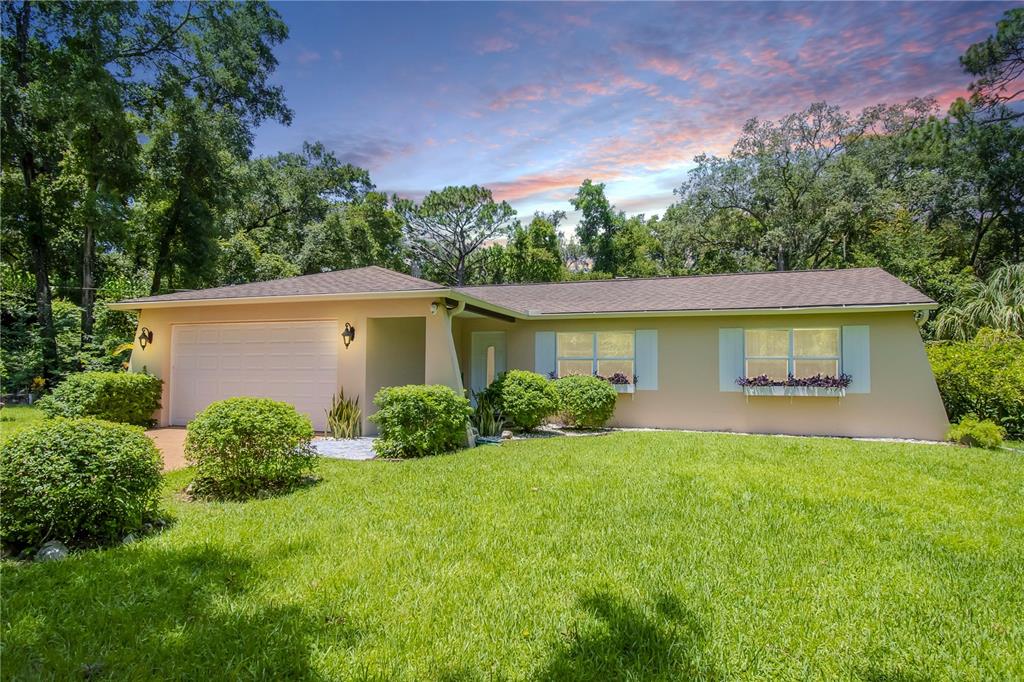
(730,359)
(646,367)
(544,353)
(857,357)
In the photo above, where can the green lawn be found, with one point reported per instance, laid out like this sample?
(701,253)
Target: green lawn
(630,556)
(16,418)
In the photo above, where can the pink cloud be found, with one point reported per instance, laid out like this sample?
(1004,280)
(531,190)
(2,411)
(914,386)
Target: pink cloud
(669,66)
(536,183)
(916,47)
(769,58)
(804,20)
(860,39)
(494,44)
(530,92)
(307,57)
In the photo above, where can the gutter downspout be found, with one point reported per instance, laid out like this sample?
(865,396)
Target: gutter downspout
(449,312)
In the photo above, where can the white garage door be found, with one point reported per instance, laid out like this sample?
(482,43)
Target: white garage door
(296,362)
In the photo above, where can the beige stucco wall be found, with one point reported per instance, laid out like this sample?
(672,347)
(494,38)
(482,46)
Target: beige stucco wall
(904,401)
(436,361)
(395,357)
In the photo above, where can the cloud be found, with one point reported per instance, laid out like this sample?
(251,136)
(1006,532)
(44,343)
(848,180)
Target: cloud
(916,47)
(668,66)
(534,184)
(307,57)
(367,151)
(530,92)
(494,44)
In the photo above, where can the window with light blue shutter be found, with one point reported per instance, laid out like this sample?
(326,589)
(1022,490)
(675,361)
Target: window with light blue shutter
(647,360)
(544,353)
(730,359)
(857,357)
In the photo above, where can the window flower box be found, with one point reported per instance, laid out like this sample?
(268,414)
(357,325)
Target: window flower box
(624,388)
(795,391)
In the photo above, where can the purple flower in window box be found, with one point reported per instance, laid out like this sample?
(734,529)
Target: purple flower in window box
(821,385)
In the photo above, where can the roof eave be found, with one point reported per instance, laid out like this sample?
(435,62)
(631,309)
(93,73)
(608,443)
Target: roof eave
(722,312)
(303,298)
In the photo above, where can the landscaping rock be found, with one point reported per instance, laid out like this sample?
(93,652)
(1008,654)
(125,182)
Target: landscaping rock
(53,550)
(129,539)
(506,434)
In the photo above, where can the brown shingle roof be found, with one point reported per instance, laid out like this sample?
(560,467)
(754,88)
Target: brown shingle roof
(372,279)
(746,291)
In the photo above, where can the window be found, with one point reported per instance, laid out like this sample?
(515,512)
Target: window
(604,353)
(800,352)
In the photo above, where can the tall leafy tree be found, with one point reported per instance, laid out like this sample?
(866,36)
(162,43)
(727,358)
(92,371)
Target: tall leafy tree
(356,234)
(997,65)
(278,198)
(533,252)
(185,194)
(80,76)
(449,226)
(597,226)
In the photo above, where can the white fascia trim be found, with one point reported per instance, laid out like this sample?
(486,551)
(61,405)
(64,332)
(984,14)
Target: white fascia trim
(304,298)
(711,312)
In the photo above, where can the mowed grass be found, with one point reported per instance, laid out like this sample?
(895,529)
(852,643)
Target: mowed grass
(16,418)
(628,556)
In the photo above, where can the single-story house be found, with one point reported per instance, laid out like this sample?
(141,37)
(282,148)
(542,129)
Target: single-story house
(682,343)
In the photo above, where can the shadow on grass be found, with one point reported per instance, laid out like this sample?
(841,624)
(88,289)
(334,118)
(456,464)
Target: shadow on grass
(154,613)
(664,641)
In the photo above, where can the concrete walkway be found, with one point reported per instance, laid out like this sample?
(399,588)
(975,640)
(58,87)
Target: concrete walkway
(170,441)
(347,448)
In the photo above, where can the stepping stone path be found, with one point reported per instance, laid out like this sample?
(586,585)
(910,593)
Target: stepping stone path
(345,448)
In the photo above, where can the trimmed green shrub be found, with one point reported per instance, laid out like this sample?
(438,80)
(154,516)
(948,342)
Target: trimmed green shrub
(243,447)
(983,377)
(524,398)
(585,401)
(79,481)
(417,421)
(977,433)
(130,398)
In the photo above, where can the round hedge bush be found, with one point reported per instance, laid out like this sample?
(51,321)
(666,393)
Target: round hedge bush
(418,421)
(585,401)
(242,447)
(977,433)
(525,399)
(79,481)
(128,397)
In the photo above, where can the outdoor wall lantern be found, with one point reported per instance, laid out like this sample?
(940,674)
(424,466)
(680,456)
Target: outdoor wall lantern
(349,334)
(145,337)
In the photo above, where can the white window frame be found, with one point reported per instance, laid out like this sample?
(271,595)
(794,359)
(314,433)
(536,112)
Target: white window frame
(594,358)
(791,358)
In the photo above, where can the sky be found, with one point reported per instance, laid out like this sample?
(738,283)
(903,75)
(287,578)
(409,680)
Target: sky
(530,99)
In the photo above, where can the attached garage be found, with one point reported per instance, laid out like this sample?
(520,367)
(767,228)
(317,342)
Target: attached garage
(296,362)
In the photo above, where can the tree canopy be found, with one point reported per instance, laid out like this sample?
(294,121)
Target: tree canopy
(125,169)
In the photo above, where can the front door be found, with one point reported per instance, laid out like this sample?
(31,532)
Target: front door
(487,360)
